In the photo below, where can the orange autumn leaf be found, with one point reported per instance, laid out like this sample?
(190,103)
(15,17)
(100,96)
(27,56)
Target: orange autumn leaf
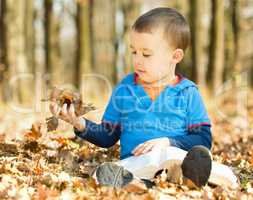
(62,141)
(251,157)
(35,132)
(91,182)
(37,171)
(2,137)
(136,186)
(46,193)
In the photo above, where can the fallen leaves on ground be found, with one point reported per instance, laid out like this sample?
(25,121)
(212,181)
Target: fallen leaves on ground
(44,167)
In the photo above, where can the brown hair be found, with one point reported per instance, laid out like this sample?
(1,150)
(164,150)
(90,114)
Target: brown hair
(176,29)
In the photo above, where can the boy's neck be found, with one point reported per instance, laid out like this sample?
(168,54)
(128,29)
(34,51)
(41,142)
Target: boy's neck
(164,81)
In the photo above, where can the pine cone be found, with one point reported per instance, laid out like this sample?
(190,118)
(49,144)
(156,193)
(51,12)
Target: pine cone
(62,96)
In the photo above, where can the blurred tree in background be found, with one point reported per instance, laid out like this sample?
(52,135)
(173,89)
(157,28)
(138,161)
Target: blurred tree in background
(216,52)
(59,41)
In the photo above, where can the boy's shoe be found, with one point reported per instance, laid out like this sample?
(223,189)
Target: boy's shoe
(110,174)
(197,165)
(194,170)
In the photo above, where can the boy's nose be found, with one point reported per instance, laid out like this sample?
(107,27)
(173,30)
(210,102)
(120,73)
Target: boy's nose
(138,62)
(138,65)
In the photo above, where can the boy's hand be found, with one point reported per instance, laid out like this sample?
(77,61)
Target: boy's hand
(151,144)
(67,115)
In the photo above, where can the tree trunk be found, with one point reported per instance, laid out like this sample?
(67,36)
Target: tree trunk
(233,64)
(237,34)
(197,42)
(83,43)
(30,35)
(19,82)
(130,11)
(216,59)
(3,49)
(103,29)
(52,45)
(48,6)
(230,46)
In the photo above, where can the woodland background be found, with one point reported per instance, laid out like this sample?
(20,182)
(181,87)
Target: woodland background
(61,40)
(83,45)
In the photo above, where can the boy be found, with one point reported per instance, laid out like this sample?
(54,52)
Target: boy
(154,107)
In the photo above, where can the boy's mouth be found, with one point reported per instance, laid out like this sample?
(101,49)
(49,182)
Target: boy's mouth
(139,71)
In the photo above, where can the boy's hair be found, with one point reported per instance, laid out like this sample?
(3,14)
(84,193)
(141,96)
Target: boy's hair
(176,29)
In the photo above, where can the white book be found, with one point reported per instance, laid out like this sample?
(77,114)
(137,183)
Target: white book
(146,165)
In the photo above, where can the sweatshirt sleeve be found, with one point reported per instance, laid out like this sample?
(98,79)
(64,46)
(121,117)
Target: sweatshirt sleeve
(196,110)
(197,135)
(198,123)
(103,135)
(107,133)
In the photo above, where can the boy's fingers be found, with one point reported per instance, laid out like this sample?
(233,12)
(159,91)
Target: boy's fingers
(72,111)
(147,149)
(71,114)
(64,110)
(52,107)
(55,109)
(139,149)
(136,148)
(143,148)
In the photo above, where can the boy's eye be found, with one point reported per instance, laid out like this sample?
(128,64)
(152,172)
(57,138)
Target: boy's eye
(146,55)
(133,52)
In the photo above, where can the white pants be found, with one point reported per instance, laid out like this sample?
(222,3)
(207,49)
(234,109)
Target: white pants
(145,166)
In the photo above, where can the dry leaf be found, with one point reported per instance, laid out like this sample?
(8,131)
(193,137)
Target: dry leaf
(45,193)
(65,96)
(135,186)
(35,132)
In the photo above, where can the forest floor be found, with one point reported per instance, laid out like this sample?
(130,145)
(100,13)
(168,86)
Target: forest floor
(35,164)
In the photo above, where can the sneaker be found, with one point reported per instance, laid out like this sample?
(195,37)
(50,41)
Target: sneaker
(197,165)
(110,174)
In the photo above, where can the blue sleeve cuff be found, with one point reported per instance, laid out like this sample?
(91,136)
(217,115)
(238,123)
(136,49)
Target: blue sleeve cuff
(200,135)
(81,133)
(174,143)
(103,135)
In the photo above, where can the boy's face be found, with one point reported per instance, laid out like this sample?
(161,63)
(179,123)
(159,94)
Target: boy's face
(152,56)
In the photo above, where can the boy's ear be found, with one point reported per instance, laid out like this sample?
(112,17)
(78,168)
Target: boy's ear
(178,55)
